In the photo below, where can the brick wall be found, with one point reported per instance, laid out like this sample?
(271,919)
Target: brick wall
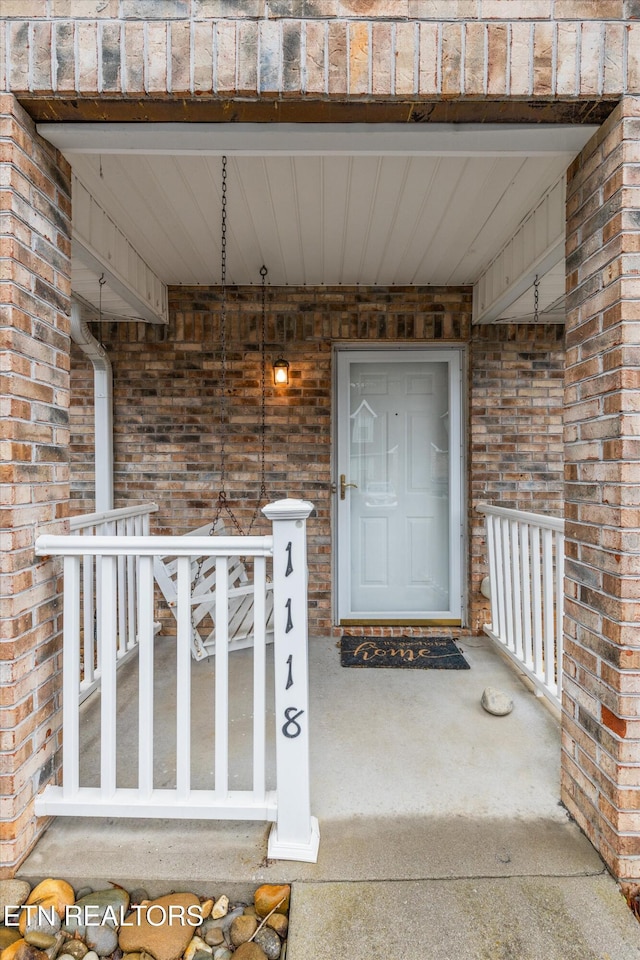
(515,428)
(167,407)
(35,248)
(601,736)
(197,52)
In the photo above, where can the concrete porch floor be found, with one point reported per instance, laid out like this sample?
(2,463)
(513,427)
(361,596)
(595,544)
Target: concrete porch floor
(418,792)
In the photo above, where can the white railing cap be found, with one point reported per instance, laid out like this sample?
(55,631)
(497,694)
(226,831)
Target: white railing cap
(535,519)
(77,546)
(122,513)
(288,509)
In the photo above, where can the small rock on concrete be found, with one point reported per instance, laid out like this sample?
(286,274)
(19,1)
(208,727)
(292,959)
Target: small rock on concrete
(495,702)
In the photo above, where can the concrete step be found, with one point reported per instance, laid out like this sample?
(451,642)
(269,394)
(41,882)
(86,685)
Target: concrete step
(514,918)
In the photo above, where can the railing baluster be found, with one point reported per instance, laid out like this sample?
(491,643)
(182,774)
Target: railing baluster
(501,628)
(506,573)
(525,587)
(108,666)
(548,593)
(71,678)
(259,677)
(145,677)
(493,574)
(130,562)
(514,541)
(121,594)
(183,680)
(536,583)
(89,618)
(559,541)
(222,678)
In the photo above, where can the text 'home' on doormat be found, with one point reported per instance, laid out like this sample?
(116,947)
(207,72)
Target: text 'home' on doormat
(421,653)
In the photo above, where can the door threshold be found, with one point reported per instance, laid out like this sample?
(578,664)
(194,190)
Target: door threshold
(378,622)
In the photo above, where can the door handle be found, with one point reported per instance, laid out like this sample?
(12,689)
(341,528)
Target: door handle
(344,485)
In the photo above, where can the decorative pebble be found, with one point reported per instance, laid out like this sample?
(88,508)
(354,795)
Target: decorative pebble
(495,702)
(166,941)
(279,923)
(8,935)
(66,956)
(76,949)
(222,954)
(205,909)
(271,895)
(45,921)
(224,923)
(242,929)
(83,892)
(47,894)
(220,907)
(269,941)
(138,895)
(40,940)
(249,951)
(102,938)
(214,936)
(196,946)
(13,893)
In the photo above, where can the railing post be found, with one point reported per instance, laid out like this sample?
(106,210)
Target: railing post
(295,835)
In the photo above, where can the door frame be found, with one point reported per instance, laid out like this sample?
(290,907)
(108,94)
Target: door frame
(458,508)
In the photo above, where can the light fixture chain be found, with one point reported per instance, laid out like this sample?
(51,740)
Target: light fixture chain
(536,298)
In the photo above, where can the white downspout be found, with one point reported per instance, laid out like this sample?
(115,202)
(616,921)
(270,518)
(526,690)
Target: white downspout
(103,408)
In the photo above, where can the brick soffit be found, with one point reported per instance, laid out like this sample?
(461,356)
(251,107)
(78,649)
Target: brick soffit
(270,67)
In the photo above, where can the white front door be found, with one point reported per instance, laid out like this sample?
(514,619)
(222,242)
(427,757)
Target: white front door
(398,486)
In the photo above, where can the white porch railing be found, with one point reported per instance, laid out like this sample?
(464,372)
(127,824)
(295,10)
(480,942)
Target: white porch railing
(526,565)
(125,522)
(295,834)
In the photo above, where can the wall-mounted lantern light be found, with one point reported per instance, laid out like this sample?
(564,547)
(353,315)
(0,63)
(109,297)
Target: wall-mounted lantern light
(281,372)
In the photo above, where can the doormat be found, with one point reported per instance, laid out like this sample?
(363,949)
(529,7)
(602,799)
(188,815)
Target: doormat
(420,653)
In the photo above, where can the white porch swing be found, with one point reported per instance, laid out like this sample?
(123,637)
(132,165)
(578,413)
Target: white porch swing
(240,590)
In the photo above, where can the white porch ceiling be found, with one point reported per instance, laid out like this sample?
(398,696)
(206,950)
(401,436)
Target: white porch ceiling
(323,205)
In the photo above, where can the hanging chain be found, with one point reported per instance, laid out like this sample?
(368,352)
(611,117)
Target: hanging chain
(262,495)
(536,298)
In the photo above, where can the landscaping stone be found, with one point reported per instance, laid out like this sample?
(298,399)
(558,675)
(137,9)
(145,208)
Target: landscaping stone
(495,702)
(279,923)
(76,949)
(220,907)
(270,896)
(167,941)
(102,938)
(8,935)
(214,937)
(242,929)
(40,940)
(249,951)
(155,930)
(13,893)
(269,941)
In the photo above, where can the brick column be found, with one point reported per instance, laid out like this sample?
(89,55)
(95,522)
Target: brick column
(601,720)
(35,245)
